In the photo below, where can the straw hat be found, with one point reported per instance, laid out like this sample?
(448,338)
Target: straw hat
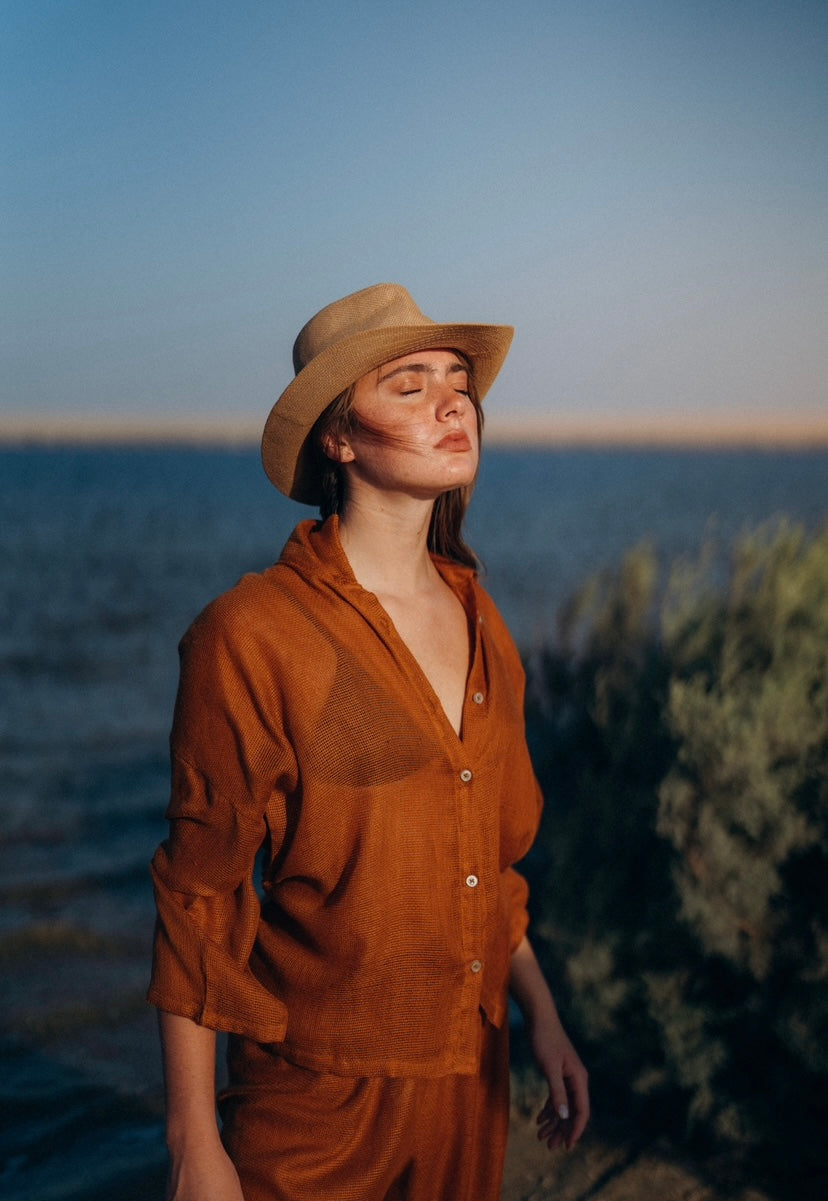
(345,341)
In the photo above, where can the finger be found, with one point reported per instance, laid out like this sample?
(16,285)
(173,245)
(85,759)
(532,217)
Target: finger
(553,1136)
(548,1118)
(555,1142)
(580,1110)
(552,1127)
(578,1127)
(558,1101)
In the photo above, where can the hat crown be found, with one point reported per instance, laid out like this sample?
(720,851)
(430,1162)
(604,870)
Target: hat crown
(382,306)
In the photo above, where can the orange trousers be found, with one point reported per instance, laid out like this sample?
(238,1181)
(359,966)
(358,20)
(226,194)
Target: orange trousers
(298,1135)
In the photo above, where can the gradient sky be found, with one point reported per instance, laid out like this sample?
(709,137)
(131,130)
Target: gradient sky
(640,188)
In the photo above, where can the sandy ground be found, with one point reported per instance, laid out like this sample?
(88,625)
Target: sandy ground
(610,1170)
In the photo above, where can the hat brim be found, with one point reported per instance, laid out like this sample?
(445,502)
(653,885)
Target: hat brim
(287,454)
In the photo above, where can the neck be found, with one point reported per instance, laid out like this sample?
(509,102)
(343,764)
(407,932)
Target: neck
(387,544)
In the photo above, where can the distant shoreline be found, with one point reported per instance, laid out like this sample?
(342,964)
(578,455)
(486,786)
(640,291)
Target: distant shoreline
(794,434)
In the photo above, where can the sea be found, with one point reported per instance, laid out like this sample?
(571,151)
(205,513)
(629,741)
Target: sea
(106,555)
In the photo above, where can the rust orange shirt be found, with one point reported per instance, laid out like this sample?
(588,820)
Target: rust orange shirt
(305,729)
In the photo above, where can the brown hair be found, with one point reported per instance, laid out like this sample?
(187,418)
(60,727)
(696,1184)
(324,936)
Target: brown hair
(445,531)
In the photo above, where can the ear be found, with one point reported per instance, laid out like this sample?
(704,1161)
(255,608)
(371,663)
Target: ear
(339,450)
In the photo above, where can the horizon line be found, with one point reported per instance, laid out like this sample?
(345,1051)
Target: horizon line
(803,432)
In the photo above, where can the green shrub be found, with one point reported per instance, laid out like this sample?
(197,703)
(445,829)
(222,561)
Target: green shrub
(680,731)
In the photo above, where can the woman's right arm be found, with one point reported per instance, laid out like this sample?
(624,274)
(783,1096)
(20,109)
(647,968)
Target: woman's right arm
(200,1169)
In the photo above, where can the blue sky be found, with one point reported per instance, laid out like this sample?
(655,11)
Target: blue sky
(640,188)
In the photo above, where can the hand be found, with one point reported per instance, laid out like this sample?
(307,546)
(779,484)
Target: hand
(207,1175)
(563,1118)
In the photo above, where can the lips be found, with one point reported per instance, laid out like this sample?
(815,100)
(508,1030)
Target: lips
(456,440)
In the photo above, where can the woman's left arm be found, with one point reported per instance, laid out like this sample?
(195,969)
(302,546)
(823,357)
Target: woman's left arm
(563,1118)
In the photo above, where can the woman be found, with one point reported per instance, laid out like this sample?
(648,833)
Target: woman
(354,713)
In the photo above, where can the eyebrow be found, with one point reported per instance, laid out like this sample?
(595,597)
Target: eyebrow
(426,368)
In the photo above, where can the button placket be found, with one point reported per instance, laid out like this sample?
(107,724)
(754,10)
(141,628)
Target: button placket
(471,899)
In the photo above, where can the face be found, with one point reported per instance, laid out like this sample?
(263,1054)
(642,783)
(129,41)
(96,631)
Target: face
(417,426)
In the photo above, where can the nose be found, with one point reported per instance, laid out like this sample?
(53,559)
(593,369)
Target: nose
(450,401)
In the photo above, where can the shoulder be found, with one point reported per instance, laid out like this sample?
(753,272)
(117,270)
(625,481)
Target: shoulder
(276,620)
(259,602)
(246,607)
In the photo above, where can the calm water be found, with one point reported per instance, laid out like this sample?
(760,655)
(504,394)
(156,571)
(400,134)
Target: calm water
(105,557)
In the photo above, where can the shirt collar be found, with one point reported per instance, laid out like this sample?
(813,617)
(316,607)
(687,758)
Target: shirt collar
(315,551)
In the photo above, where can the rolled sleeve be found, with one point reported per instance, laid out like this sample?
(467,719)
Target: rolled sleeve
(229,768)
(208,915)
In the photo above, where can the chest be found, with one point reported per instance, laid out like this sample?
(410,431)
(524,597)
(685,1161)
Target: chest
(435,631)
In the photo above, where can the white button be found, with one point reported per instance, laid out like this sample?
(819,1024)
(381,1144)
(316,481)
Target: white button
(472,881)
(478,698)
(465,775)
(476,966)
